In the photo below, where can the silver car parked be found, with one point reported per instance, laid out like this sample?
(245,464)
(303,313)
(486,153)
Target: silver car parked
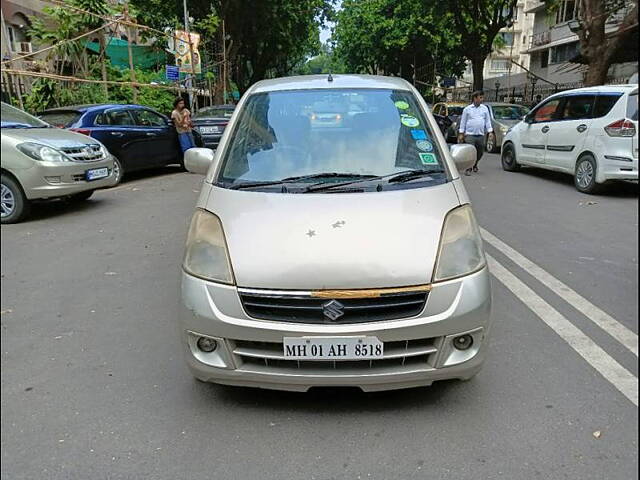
(341,252)
(503,117)
(40,162)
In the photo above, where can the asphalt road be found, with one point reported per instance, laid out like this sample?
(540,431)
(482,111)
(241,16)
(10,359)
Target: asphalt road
(94,385)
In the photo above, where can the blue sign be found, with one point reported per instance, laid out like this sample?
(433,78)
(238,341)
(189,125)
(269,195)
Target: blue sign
(448,82)
(173,73)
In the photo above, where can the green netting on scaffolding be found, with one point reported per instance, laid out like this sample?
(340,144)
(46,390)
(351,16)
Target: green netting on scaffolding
(144,56)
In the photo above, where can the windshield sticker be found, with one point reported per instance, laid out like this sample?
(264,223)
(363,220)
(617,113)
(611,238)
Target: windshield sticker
(409,120)
(424,145)
(401,105)
(428,158)
(419,134)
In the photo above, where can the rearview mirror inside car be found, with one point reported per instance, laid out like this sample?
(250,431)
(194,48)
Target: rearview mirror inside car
(198,160)
(464,156)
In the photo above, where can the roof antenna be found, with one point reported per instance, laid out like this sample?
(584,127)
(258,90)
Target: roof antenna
(329,78)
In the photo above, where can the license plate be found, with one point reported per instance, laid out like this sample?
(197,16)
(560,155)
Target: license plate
(333,348)
(97,173)
(206,130)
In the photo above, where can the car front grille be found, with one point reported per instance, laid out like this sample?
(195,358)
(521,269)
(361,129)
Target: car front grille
(268,357)
(84,153)
(307,308)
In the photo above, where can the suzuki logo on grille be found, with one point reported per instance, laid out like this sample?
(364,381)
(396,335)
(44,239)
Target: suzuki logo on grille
(333,310)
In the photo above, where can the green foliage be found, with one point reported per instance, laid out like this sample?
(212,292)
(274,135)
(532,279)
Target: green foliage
(48,93)
(265,38)
(477,24)
(397,37)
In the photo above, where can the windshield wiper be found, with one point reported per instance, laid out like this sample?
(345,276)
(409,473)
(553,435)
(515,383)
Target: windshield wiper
(398,177)
(412,175)
(300,178)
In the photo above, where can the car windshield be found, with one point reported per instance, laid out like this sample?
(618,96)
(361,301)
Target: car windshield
(14,118)
(329,135)
(455,110)
(509,112)
(215,112)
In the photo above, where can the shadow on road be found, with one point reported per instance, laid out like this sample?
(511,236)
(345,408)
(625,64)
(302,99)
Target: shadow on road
(619,189)
(331,399)
(43,210)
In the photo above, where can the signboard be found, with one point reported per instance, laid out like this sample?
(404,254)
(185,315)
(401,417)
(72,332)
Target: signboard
(186,46)
(448,82)
(173,73)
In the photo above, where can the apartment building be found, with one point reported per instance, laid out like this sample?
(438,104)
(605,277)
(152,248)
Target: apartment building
(16,23)
(553,45)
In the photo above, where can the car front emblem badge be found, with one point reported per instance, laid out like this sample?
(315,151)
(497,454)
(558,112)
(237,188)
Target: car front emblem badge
(333,310)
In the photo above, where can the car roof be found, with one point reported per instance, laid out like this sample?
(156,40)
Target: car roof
(312,82)
(226,107)
(623,88)
(503,104)
(90,107)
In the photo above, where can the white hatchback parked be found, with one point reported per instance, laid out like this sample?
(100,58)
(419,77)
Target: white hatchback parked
(591,133)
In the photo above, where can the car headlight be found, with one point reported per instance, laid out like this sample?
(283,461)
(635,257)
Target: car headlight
(206,253)
(504,128)
(103,151)
(461,251)
(42,153)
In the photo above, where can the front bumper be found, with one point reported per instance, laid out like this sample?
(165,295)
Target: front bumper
(49,180)
(418,350)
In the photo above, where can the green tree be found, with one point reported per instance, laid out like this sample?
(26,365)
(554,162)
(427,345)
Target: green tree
(397,37)
(265,38)
(477,23)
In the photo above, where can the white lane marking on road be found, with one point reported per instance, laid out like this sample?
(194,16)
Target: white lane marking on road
(605,321)
(611,370)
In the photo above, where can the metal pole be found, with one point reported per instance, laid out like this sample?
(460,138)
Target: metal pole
(513,41)
(130,52)
(224,65)
(189,81)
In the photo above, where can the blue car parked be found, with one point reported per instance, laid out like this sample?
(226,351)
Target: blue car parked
(138,137)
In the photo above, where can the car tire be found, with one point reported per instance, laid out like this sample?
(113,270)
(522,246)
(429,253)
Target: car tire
(509,162)
(82,196)
(15,205)
(118,171)
(585,175)
(491,146)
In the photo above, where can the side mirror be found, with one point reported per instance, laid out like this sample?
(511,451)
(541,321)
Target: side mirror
(464,156)
(198,160)
(528,118)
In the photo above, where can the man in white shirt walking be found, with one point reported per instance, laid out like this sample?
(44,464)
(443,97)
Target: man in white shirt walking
(475,123)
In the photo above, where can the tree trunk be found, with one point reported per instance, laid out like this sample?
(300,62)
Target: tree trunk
(597,72)
(477,65)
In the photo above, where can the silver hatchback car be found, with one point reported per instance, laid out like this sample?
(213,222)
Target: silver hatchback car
(333,243)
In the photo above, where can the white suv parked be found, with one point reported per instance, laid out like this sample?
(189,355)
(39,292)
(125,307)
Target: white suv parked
(591,133)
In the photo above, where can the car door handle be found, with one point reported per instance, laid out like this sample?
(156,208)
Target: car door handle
(581,128)
(545,129)
(117,134)
(150,134)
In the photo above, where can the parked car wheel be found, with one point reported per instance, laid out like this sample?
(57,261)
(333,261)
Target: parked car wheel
(509,162)
(14,205)
(585,176)
(117,170)
(491,144)
(82,196)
